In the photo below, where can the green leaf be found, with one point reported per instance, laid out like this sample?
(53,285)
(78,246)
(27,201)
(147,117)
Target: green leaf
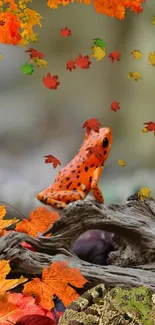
(27,68)
(99,42)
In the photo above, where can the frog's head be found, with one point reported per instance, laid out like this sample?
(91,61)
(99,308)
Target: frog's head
(99,143)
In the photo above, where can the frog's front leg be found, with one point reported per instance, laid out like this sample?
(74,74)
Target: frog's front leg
(59,199)
(96,191)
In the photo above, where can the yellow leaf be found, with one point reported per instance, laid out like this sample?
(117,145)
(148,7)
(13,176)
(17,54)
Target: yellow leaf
(136,54)
(151,58)
(5,223)
(144,130)
(135,75)
(98,52)
(39,62)
(153,21)
(122,162)
(1,56)
(145,192)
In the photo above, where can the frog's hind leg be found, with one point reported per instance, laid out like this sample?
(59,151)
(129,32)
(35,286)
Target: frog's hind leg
(59,199)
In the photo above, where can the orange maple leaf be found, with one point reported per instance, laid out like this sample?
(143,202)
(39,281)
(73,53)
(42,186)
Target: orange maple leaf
(39,221)
(52,160)
(115,106)
(7,284)
(65,32)
(150,126)
(70,65)
(114,56)
(92,124)
(83,62)
(5,223)
(34,53)
(55,280)
(51,82)
(15,305)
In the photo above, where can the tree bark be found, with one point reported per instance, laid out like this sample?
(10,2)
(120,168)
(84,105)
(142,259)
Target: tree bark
(133,224)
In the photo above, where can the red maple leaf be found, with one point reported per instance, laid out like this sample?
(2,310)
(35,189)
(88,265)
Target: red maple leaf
(150,126)
(51,82)
(114,56)
(65,32)
(94,150)
(83,62)
(92,124)
(35,320)
(52,160)
(115,106)
(34,53)
(70,65)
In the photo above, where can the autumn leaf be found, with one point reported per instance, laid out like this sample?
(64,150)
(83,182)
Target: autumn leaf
(136,54)
(40,220)
(122,163)
(92,124)
(65,32)
(1,56)
(70,65)
(55,280)
(114,56)
(98,42)
(144,130)
(35,320)
(135,75)
(94,150)
(83,62)
(7,284)
(144,193)
(5,223)
(51,82)
(115,106)
(27,68)
(153,21)
(150,126)
(98,52)
(15,305)
(49,159)
(39,62)
(34,53)
(151,58)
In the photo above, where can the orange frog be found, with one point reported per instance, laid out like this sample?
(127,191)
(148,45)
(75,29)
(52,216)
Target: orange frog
(82,173)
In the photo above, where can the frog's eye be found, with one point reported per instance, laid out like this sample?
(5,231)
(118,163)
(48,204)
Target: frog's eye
(105,142)
(128,319)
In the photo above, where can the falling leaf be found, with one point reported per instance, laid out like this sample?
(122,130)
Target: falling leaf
(35,320)
(7,284)
(83,62)
(65,32)
(98,42)
(39,62)
(144,193)
(27,69)
(92,124)
(150,126)
(1,56)
(5,223)
(153,21)
(15,305)
(135,75)
(51,82)
(151,58)
(70,65)
(55,280)
(40,220)
(114,56)
(122,162)
(136,54)
(144,130)
(52,160)
(115,106)
(98,52)
(34,53)
(94,150)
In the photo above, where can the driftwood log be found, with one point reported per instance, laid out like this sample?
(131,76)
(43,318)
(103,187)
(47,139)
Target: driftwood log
(133,224)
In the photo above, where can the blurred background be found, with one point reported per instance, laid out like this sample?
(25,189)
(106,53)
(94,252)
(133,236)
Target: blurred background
(35,121)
